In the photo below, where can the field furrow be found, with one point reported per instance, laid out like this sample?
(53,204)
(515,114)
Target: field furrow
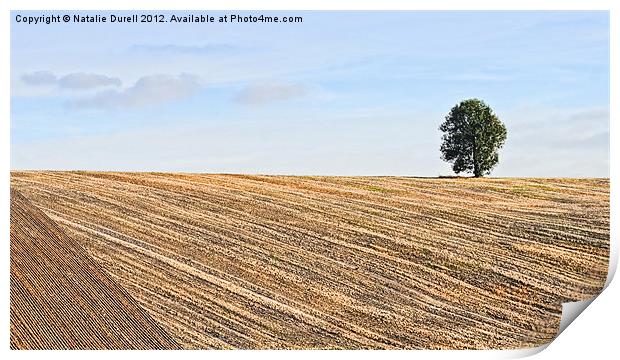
(63,299)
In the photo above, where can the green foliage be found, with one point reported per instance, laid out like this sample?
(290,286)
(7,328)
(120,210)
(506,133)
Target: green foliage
(472,137)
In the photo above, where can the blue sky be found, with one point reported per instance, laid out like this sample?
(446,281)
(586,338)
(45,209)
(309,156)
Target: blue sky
(343,93)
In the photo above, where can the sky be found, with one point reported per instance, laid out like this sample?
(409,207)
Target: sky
(342,93)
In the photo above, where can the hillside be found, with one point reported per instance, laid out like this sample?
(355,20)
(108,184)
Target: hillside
(235,261)
(62,299)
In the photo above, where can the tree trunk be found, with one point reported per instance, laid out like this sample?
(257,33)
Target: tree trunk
(475,156)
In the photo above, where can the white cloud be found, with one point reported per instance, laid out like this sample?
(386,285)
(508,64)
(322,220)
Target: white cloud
(70,81)
(556,142)
(87,81)
(267,92)
(39,78)
(148,90)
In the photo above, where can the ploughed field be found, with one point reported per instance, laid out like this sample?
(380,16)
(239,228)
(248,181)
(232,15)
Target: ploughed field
(236,261)
(62,299)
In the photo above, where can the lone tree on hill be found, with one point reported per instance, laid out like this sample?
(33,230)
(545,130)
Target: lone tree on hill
(472,136)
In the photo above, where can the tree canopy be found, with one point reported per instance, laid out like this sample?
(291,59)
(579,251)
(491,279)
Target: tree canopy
(473,134)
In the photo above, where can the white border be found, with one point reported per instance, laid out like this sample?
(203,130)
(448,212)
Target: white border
(593,333)
(319,5)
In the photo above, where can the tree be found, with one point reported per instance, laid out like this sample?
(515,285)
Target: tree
(472,136)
